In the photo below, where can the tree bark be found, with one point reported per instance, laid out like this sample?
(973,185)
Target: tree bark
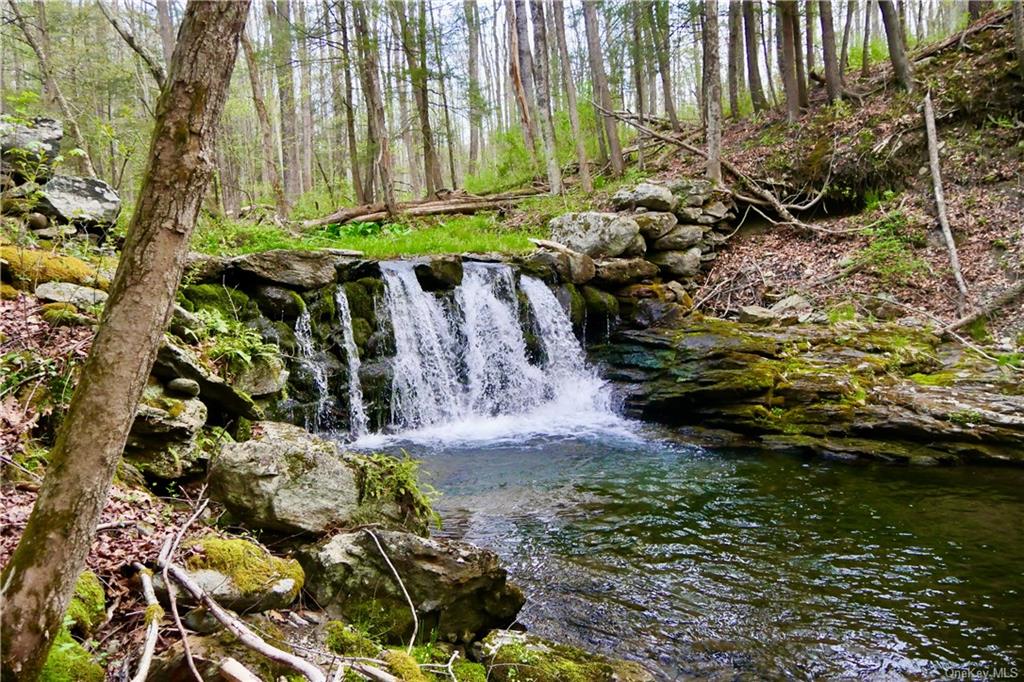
(603,94)
(541,82)
(833,81)
(790,76)
(281,42)
(844,55)
(70,120)
(474,93)
(350,114)
(40,577)
(802,70)
(558,9)
(524,57)
(1018,34)
(305,100)
(734,64)
(753,66)
(809,8)
(865,59)
(380,149)
(897,50)
(270,168)
(658,19)
(713,99)
(442,81)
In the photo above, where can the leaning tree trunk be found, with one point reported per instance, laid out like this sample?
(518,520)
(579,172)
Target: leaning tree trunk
(753,67)
(39,580)
(844,55)
(602,92)
(558,9)
(473,93)
(713,92)
(897,50)
(833,82)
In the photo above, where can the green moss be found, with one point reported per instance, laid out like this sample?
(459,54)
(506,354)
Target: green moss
(843,312)
(467,671)
(404,666)
(346,640)
(68,661)
(7,292)
(28,267)
(937,379)
(64,314)
(517,657)
(380,619)
(385,478)
(87,609)
(230,302)
(978,331)
(154,613)
(252,568)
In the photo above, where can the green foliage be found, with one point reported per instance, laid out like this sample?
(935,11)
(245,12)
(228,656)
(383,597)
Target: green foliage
(68,661)
(842,312)
(1011,360)
(391,479)
(889,254)
(873,199)
(512,167)
(978,330)
(346,640)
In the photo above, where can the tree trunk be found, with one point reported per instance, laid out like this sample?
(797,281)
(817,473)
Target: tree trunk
(809,8)
(270,167)
(558,9)
(337,95)
(765,40)
(844,56)
(753,66)
(350,122)
(281,42)
(40,577)
(658,19)
(474,94)
(526,117)
(305,101)
(833,82)
(47,76)
(713,99)
(798,58)
(380,149)
(734,59)
(444,99)
(865,59)
(1018,34)
(540,42)
(603,94)
(166,26)
(897,51)
(789,56)
(524,57)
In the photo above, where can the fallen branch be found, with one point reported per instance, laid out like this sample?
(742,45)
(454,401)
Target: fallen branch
(166,558)
(153,616)
(1007,297)
(233,671)
(940,201)
(408,599)
(959,38)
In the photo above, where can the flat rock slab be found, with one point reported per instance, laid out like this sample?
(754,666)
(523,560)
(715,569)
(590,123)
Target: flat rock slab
(81,297)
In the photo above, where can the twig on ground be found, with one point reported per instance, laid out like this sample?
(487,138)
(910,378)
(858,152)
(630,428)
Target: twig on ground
(200,508)
(153,616)
(408,599)
(1008,296)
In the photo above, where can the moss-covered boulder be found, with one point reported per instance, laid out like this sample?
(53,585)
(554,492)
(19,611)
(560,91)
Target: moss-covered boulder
(175,360)
(602,310)
(574,304)
(27,268)
(64,315)
(68,661)
(460,591)
(88,608)
(263,376)
(440,273)
(163,439)
(347,640)
(232,303)
(520,657)
(242,575)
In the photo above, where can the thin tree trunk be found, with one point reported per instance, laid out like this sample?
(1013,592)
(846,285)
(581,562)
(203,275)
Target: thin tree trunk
(270,167)
(337,96)
(444,99)
(524,56)
(541,81)
(350,122)
(809,7)
(526,118)
(753,67)
(558,9)
(39,579)
(833,82)
(865,59)
(940,201)
(789,55)
(714,91)
(166,28)
(734,59)
(601,86)
(658,20)
(802,70)
(380,149)
(474,93)
(1018,34)
(897,51)
(844,56)
(281,41)
(765,40)
(70,120)
(305,100)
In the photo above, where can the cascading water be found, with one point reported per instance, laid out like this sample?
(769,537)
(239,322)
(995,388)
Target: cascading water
(358,422)
(307,353)
(462,369)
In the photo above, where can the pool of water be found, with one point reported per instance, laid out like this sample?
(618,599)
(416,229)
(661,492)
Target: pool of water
(745,566)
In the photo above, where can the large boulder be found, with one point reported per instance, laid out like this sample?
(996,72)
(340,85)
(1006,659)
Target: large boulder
(81,297)
(646,195)
(678,263)
(692,192)
(163,441)
(619,271)
(27,151)
(655,224)
(569,266)
(287,480)
(512,656)
(598,235)
(293,268)
(80,201)
(441,273)
(460,591)
(174,361)
(679,238)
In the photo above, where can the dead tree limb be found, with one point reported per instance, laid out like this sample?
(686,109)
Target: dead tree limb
(940,201)
(408,599)
(233,671)
(171,549)
(150,61)
(1005,298)
(153,616)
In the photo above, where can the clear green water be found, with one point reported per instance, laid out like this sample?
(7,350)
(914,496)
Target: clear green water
(749,566)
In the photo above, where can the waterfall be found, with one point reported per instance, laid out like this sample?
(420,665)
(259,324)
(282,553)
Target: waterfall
(307,353)
(356,409)
(462,365)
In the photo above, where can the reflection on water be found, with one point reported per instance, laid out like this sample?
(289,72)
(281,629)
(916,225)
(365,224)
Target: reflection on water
(743,566)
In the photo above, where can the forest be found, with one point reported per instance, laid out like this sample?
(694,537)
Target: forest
(514,340)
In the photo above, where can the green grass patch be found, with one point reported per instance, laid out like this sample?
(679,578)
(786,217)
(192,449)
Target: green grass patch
(458,234)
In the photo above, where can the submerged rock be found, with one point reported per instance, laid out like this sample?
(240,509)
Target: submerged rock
(460,591)
(598,235)
(513,656)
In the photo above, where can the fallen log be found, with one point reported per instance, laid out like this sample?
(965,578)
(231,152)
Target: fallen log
(1005,298)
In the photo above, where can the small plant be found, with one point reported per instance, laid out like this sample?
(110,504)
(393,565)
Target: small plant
(229,344)
(391,479)
(843,312)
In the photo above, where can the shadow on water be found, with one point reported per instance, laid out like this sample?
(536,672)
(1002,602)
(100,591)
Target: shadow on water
(747,566)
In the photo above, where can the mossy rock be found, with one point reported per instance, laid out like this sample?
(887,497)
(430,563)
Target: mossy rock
(64,315)
(572,300)
(361,331)
(88,608)
(7,292)
(232,303)
(347,640)
(403,666)
(361,300)
(68,661)
(243,575)
(519,657)
(29,267)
